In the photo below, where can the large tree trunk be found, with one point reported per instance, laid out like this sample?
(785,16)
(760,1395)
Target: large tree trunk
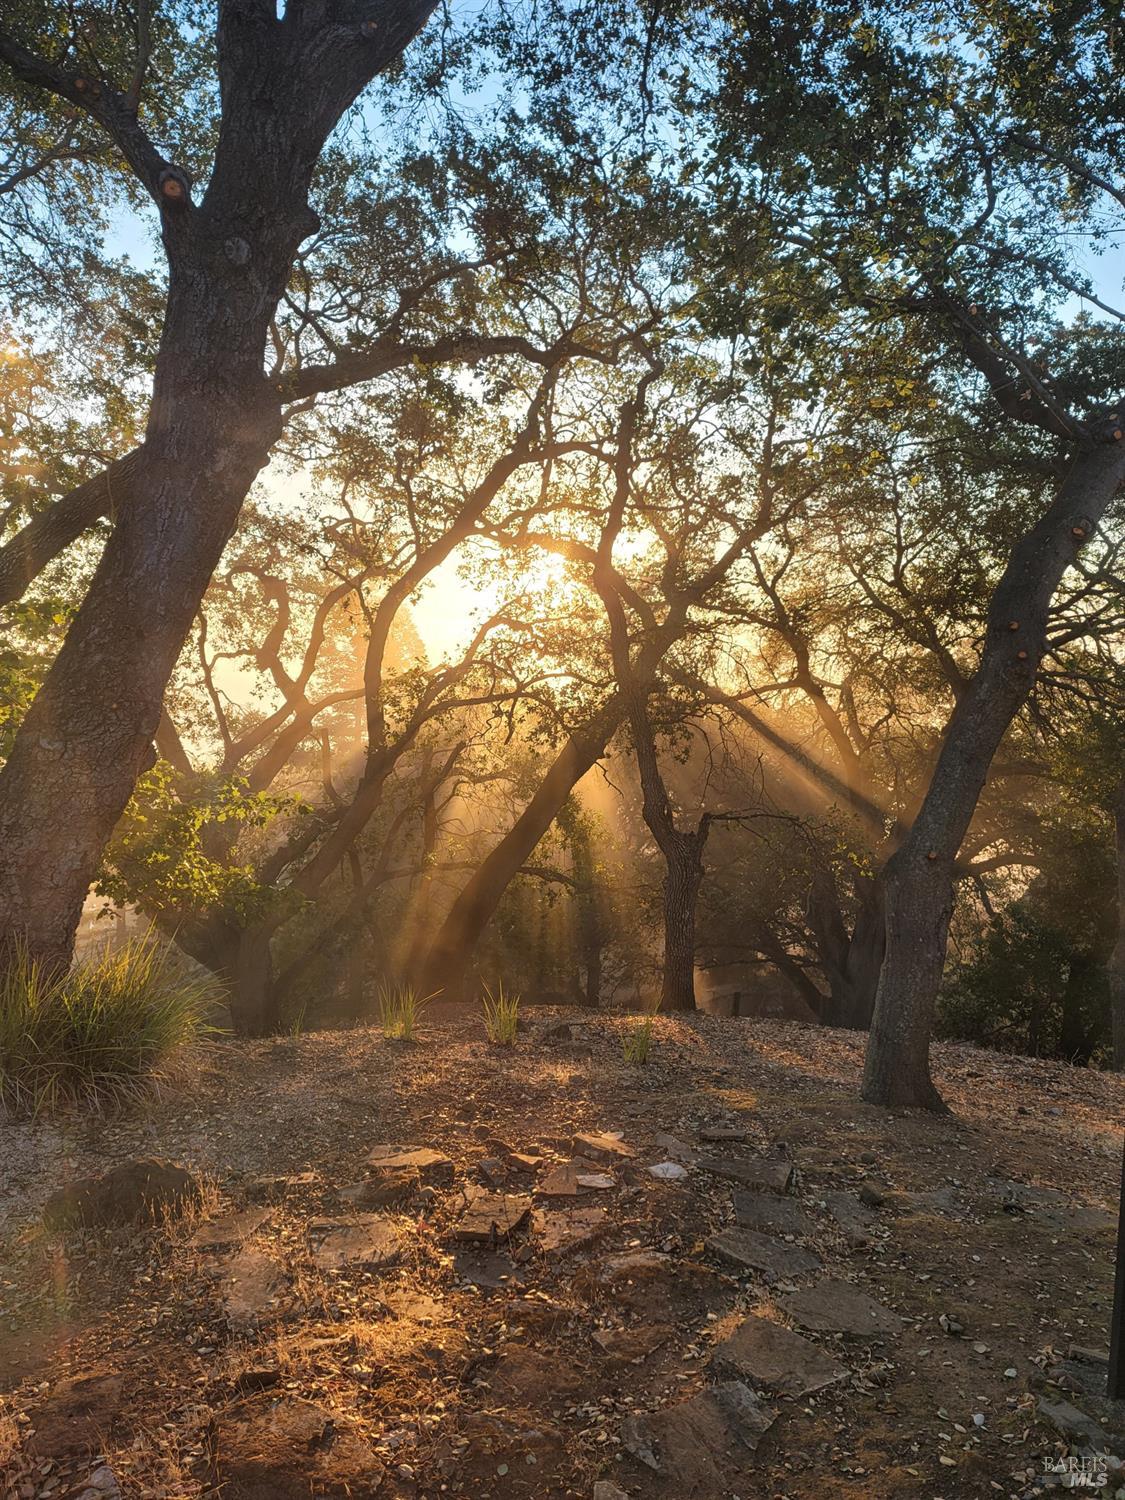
(213,419)
(444,966)
(918,878)
(682,879)
(254,1002)
(242,957)
(864,958)
(1116,967)
(88,734)
(592,992)
(851,960)
(1075,1043)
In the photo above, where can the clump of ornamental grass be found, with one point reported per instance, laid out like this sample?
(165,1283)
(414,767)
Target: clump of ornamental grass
(400,1009)
(501,1015)
(636,1044)
(101,1034)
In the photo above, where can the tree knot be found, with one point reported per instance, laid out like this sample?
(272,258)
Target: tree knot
(174,186)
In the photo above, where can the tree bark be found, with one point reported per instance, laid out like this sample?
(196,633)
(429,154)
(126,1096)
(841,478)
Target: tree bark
(592,991)
(242,957)
(918,878)
(53,530)
(682,879)
(1116,966)
(444,966)
(88,734)
(864,958)
(1075,1043)
(588,907)
(254,1003)
(213,419)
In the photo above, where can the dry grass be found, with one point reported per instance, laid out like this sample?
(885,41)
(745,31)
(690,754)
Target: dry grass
(100,1036)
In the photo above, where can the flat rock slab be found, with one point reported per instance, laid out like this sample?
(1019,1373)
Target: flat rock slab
(676,1149)
(277,1184)
(490,1216)
(694,1443)
(944,1201)
(602,1148)
(1053,1208)
(231,1230)
(489,1270)
(762,1173)
(371,1241)
(560,1181)
(1081,1375)
(718,1133)
(524,1161)
(773,1213)
(751,1251)
(766,1354)
(839,1307)
(381,1191)
(601,1181)
(250,1286)
(561,1231)
(637,1265)
(854,1220)
(285,1449)
(568,1178)
(668,1171)
(432,1167)
(1074,1424)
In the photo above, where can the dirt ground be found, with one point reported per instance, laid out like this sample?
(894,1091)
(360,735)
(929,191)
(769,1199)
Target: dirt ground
(485,1320)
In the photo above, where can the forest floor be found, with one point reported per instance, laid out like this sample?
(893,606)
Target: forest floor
(519,1313)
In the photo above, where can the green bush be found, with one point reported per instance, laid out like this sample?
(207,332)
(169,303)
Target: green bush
(100,1035)
(501,1016)
(1031,986)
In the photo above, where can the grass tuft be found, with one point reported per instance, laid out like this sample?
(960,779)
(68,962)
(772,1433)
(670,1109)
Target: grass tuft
(102,1034)
(637,1042)
(400,1009)
(501,1016)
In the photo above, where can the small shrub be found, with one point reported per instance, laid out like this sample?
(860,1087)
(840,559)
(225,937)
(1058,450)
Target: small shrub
(400,1008)
(100,1035)
(501,1016)
(637,1042)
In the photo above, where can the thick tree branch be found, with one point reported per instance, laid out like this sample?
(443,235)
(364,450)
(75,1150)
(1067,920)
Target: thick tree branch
(112,110)
(384,355)
(53,530)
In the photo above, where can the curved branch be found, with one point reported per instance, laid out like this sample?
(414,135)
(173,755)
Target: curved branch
(53,530)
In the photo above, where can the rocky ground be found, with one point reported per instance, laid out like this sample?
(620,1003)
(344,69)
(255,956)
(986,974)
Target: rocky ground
(449,1269)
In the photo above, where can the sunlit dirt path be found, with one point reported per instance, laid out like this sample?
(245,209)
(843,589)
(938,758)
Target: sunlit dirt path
(527,1308)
